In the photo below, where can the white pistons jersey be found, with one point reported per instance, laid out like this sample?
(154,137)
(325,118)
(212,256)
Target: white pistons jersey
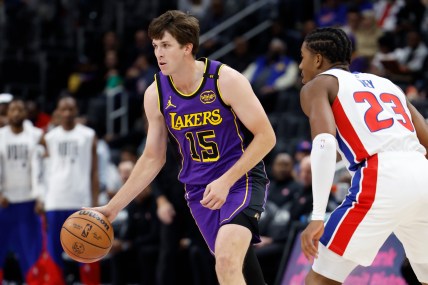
(18,153)
(69,168)
(371,116)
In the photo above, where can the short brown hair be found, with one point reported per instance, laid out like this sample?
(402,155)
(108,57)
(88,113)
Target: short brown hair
(183,27)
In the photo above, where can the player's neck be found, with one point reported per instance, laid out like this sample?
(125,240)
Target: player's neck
(189,77)
(16,129)
(342,66)
(68,127)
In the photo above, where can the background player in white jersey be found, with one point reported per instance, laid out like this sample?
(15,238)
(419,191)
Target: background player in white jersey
(383,138)
(20,166)
(72,176)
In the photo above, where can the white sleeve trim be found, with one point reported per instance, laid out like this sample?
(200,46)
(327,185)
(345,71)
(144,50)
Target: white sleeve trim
(323,165)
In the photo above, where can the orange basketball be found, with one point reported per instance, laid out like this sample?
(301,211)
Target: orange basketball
(87,236)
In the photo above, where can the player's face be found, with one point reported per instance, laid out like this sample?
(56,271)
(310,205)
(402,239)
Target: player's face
(308,65)
(67,111)
(16,113)
(168,53)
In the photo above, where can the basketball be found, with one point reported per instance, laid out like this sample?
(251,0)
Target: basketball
(86,236)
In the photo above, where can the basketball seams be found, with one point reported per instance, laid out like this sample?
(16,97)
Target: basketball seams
(70,252)
(78,217)
(85,240)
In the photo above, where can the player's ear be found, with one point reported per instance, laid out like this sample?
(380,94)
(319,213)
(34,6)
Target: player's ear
(188,48)
(318,60)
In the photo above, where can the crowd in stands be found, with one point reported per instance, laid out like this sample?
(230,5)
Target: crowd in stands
(83,49)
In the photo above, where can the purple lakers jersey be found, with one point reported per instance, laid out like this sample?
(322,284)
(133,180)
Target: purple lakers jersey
(209,135)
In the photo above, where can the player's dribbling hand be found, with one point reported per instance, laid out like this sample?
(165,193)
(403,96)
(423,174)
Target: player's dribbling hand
(110,215)
(215,195)
(310,239)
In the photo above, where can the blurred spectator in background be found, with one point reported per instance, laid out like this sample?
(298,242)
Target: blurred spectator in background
(21,195)
(386,13)
(273,222)
(303,149)
(241,56)
(197,8)
(367,35)
(85,80)
(214,16)
(283,182)
(366,42)
(138,77)
(71,178)
(409,18)
(140,45)
(385,53)
(295,207)
(38,118)
(272,73)
(5,99)
(353,19)
(112,76)
(410,59)
(128,153)
(110,42)
(332,13)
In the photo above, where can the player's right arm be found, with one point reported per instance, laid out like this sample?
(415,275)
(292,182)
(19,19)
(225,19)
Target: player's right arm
(316,97)
(420,124)
(150,162)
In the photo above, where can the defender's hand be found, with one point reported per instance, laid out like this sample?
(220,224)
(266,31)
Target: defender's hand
(310,239)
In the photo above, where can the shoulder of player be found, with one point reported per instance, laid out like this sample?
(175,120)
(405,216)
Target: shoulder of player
(52,132)
(319,83)
(151,100)
(151,91)
(84,128)
(230,78)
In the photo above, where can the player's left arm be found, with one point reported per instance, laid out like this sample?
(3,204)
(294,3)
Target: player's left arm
(38,173)
(95,184)
(237,92)
(420,124)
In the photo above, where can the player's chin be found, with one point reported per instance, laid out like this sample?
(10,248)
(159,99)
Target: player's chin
(164,70)
(304,81)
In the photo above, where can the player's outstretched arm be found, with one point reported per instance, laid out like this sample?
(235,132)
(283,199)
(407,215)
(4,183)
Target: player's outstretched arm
(150,162)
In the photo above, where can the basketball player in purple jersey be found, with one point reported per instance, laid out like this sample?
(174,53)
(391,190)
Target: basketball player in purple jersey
(383,140)
(211,112)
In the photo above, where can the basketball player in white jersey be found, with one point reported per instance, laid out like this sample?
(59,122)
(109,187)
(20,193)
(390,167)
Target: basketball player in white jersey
(20,166)
(383,140)
(72,176)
